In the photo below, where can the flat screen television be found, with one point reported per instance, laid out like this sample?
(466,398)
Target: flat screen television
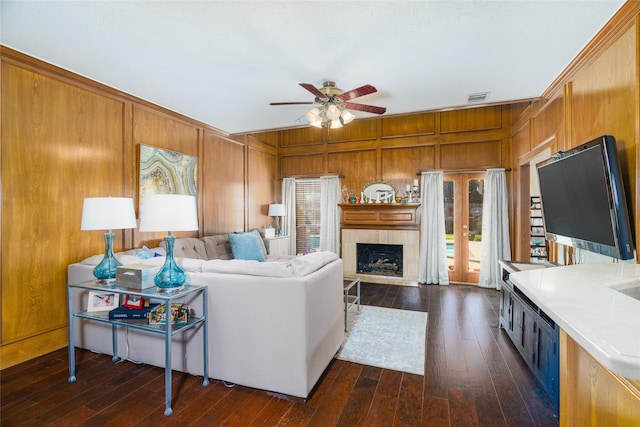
(583,199)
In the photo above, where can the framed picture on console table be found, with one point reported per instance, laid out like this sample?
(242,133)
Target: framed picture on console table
(102,301)
(133,301)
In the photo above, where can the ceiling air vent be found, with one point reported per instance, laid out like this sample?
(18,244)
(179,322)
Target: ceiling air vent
(477,98)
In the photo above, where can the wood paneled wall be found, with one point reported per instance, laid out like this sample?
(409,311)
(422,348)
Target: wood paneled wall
(223,205)
(65,138)
(59,142)
(598,94)
(396,148)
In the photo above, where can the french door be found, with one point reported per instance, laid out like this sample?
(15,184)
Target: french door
(463,196)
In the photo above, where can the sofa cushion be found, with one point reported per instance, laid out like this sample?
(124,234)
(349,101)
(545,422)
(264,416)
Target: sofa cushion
(307,264)
(248,267)
(289,266)
(247,246)
(188,247)
(262,244)
(217,247)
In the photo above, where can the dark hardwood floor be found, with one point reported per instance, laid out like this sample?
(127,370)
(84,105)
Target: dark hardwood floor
(473,377)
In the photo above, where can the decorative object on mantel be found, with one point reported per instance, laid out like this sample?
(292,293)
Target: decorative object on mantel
(169,212)
(107,213)
(378,192)
(413,192)
(277,210)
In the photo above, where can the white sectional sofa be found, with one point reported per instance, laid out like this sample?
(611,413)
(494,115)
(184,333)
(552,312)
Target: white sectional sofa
(273,325)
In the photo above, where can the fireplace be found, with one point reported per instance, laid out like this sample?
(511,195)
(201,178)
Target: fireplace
(379,259)
(394,226)
(407,243)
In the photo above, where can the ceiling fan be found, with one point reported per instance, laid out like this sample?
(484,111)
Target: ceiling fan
(333,104)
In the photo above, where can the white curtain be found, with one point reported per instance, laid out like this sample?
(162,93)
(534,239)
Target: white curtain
(433,245)
(329,214)
(289,223)
(495,228)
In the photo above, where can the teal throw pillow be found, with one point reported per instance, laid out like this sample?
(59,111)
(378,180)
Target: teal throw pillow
(246,246)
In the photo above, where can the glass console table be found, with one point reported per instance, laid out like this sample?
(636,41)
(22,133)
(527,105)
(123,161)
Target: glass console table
(350,299)
(167,329)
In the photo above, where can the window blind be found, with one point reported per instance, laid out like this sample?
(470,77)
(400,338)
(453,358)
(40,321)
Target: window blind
(307,215)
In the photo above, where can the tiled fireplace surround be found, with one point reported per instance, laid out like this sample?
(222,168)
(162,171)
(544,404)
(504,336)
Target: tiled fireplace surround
(382,224)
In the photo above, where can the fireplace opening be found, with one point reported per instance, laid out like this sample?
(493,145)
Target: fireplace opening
(379,259)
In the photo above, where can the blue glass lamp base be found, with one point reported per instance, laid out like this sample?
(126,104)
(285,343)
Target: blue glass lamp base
(171,277)
(105,271)
(278,229)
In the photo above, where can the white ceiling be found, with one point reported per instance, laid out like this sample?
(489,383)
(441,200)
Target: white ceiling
(222,62)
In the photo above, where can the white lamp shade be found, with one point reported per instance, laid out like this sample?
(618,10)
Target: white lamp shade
(107,213)
(276,209)
(168,212)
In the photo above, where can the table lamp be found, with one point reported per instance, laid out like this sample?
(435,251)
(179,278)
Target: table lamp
(277,210)
(107,213)
(169,212)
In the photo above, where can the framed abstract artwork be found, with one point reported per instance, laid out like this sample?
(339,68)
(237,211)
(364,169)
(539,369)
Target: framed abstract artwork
(167,172)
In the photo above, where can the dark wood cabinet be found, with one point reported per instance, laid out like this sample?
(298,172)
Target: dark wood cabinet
(529,320)
(532,331)
(547,356)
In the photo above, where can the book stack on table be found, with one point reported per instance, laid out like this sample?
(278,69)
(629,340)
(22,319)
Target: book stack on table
(154,314)
(128,313)
(179,314)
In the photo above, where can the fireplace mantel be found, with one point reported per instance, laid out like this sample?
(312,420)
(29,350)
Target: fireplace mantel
(388,216)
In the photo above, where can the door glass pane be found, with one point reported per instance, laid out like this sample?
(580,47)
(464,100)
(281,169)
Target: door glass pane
(476,193)
(449,214)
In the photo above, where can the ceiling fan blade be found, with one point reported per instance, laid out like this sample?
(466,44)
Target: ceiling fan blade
(314,90)
(361,91)
(367,108)
(291,103)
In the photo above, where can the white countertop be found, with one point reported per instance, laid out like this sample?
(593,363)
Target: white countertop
(582,300)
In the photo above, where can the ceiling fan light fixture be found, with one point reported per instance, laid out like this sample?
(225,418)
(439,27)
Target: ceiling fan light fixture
(347,117)
(332,103)
(313,115)
(316,123)
(336,123)
(333,112)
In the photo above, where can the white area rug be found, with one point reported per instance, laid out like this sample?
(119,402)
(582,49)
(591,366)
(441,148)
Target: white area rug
(386,338)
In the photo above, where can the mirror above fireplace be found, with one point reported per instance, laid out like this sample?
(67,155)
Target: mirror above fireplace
(379,192)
